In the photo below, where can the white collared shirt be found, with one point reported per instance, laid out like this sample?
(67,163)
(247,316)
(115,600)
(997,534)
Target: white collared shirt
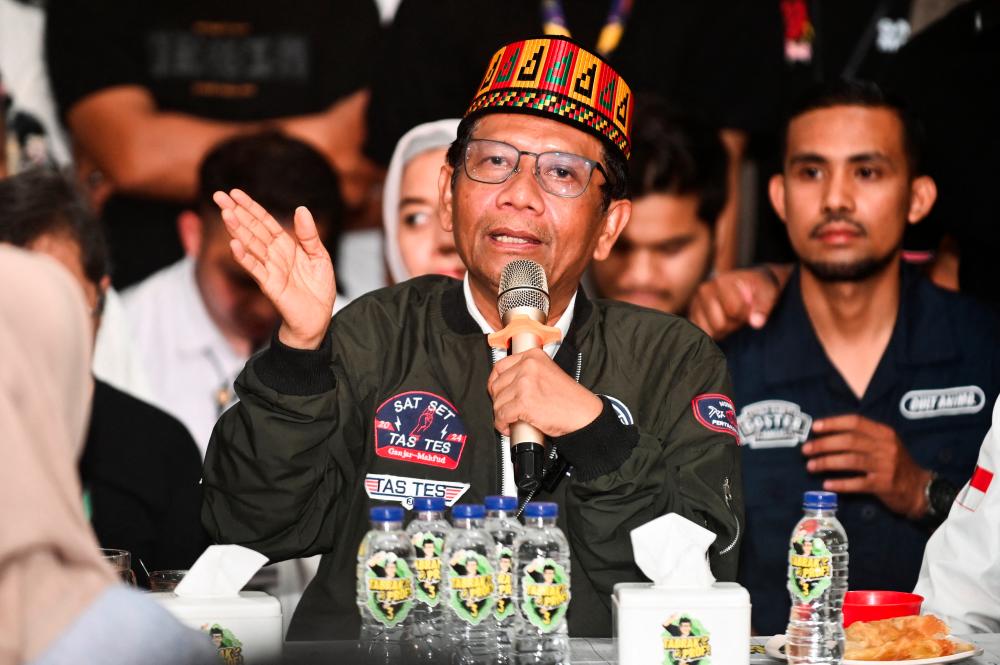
(509,488)
(189,364)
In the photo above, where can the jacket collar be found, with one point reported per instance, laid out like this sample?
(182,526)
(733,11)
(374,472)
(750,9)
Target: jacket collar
(456,315)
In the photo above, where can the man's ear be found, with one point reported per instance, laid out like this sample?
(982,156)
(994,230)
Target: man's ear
(776,192)
(615,219)
(923,194)
(189,228)
(445,198)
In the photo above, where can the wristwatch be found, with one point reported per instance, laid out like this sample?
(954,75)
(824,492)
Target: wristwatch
(940,494)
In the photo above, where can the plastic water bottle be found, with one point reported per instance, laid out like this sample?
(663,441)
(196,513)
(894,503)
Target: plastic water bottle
(542,586)
(817,581)
(428,638)
(502,524)
(385,586)
(470,557)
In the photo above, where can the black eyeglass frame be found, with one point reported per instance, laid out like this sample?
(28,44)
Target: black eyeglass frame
(591,164)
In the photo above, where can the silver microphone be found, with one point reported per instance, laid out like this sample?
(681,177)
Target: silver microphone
(524,293)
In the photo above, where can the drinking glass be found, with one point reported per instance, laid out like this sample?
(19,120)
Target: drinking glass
(121,561)
(165,580)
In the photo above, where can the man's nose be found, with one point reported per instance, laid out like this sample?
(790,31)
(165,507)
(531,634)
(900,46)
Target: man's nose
(521,190)
(838,194)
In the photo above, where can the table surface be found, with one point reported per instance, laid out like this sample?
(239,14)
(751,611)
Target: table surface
(587,651)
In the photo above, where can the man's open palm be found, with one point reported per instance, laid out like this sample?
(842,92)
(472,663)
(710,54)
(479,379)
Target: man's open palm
(294,271)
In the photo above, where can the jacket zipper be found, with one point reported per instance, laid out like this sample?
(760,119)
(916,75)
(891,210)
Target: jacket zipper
(728,495)
(499,448)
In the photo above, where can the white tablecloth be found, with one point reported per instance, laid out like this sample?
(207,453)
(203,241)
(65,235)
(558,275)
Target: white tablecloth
(588,651)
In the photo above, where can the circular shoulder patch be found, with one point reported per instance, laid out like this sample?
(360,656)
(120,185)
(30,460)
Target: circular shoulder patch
(421,428)
(624,415)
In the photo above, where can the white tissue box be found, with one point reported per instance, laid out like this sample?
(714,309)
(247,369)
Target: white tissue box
(711,623)
(248,625)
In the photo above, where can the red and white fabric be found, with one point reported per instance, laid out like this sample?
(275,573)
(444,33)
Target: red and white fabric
(960,575)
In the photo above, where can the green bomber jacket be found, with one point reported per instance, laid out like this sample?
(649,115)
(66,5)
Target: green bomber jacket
(394,405)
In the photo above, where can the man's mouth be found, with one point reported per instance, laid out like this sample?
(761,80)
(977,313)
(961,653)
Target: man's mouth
(511,238)
(838,232)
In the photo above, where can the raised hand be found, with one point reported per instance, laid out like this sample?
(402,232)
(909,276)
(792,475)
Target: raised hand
(736,298)
(294,271)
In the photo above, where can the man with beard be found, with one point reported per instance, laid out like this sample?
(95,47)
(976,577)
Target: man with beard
(866,380)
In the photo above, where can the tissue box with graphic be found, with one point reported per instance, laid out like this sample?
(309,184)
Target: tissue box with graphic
(684,616)
(245,626)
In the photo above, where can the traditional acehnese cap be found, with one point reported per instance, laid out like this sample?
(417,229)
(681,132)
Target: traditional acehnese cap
(554,77)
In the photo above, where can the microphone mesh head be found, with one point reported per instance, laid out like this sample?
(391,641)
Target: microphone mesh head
(523,284)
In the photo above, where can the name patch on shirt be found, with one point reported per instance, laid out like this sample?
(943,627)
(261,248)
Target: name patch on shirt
(384,487)
(716,412)
(773,423)
(936,402)
(420,427)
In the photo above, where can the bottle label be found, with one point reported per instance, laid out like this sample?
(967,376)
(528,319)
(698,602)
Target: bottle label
(427,566)
(809,564)
(471,580)
(544,593)
(390,588)
(505,583)
(685,640)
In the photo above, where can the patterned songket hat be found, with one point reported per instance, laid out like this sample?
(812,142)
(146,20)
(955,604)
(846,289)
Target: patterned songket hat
(554,77)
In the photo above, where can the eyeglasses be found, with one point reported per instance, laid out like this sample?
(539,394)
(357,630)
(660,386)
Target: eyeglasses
(560,173)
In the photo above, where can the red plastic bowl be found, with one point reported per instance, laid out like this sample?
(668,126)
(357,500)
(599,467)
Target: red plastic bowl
(875,605)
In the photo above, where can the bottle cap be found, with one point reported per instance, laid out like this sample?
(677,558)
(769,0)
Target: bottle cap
(819,500)
(425,503)
(501,503)
(468,510)
(386,514)
(541,509)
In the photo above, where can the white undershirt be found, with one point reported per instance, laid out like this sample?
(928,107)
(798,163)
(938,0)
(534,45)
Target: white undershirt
(509,488)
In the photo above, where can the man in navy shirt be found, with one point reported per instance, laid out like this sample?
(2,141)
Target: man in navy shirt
(867,380)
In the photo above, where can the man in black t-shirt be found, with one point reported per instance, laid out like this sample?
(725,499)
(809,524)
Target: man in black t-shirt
(148,89)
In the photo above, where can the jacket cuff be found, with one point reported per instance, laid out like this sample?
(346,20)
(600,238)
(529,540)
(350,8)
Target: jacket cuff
(599,448)
(295,371)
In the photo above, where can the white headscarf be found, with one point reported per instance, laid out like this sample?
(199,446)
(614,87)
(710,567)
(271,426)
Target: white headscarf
(428,136)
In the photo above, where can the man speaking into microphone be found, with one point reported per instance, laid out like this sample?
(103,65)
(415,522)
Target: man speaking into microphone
(401,396)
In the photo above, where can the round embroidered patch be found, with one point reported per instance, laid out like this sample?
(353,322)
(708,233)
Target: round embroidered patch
(622,411)
(419,427)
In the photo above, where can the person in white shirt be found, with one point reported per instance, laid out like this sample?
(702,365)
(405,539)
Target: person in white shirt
(197,321)
(960,574)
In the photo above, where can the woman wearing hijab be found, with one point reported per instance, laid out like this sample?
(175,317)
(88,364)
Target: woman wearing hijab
(415,243)
(59,601)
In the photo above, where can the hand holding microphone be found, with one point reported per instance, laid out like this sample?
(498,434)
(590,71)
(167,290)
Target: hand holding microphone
(532,396)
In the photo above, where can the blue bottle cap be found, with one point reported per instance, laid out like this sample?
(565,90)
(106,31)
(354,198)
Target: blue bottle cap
(501,503)
(819,500)
(541,509)
(468,511)
(425,503)
(386,514)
